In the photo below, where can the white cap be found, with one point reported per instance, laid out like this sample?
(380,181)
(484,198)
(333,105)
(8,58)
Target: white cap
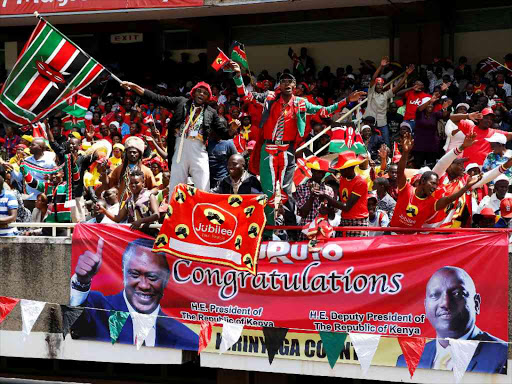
(366,126)
(502,177)
(425,100)
(423,170)
(497,138)
(472,165)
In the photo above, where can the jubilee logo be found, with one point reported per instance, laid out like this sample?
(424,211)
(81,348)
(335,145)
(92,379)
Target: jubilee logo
(212,224)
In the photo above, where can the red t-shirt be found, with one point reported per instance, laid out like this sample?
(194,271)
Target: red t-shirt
(413,101)
(410,210)
(449,217)
(357,186)
(479,150)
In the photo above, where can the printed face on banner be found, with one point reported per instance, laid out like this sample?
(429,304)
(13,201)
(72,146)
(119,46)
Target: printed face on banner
(145,276)
(451,302)
(446,286)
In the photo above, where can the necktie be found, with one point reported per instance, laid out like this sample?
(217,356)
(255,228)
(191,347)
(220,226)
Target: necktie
(445,361)
(279,129)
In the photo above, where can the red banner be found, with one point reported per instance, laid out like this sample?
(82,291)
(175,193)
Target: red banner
(410,285)
(22,7)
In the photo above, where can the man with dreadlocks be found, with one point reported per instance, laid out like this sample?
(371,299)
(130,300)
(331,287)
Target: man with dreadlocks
(120,178)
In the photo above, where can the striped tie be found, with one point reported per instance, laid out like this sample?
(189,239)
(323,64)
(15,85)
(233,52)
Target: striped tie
(279,129)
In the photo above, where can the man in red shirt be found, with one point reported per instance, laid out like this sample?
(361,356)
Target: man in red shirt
(353,195)
(417,205)
(478,151)
(413,97)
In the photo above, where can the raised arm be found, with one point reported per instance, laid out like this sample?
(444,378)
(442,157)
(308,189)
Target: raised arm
(456,118)
(407,145)
(402,81)
(445,161)
(443,202)
(432,100)
(167,101)
(384,62)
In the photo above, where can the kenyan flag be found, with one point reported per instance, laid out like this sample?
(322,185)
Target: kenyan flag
(71,121)
(238,54)
(51,73)
(346,139)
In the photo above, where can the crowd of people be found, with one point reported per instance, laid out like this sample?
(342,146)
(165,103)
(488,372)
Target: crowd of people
(437,142)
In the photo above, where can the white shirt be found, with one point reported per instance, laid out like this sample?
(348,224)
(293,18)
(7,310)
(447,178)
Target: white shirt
(452,141)
(381,219)
(441,351)
(492,201)
(114,210)
(151,337)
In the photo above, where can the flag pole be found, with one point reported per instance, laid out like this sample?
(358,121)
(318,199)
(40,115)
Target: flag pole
(36,14)
(497,62)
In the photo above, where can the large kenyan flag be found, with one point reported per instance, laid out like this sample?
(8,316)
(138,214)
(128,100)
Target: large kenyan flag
(51,73)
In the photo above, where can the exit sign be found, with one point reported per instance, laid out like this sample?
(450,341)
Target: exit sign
(126,38)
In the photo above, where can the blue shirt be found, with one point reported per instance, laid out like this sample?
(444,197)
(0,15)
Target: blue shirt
(219,153)
(7,202)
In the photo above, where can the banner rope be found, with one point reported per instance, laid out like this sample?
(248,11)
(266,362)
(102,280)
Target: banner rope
(289,328)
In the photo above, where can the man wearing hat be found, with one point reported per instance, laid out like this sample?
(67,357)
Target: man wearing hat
(189,128)
(308,195)
(505,220)
(119,178)
(353,194)
(283,119)
(501,184)
(415,206)
(499,154)
(371,138)
(478,152)
(452,177)
(378,98)
(376,217)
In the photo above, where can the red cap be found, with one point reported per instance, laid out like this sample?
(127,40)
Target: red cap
(506,208)
(201,84)
(487,212)
(379,80)
(487,111)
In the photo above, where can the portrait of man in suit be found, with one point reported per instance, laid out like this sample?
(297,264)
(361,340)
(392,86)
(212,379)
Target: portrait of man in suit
(452,304)
(145,276)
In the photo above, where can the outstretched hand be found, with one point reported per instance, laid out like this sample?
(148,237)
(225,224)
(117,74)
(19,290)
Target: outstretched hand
(475,116)
(407,143)
(473,180)
(355,96)
(469,140)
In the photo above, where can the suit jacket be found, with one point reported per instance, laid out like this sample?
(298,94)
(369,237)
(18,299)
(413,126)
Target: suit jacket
(488,357)
(93,324)
(181,106)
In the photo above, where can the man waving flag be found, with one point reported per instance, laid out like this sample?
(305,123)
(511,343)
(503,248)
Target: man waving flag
(50,73)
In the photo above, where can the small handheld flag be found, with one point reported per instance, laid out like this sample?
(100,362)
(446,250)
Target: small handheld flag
(220,61)
(238,54)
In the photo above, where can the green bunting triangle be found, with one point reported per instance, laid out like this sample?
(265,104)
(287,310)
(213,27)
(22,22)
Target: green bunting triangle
(116,323)
(334,342)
